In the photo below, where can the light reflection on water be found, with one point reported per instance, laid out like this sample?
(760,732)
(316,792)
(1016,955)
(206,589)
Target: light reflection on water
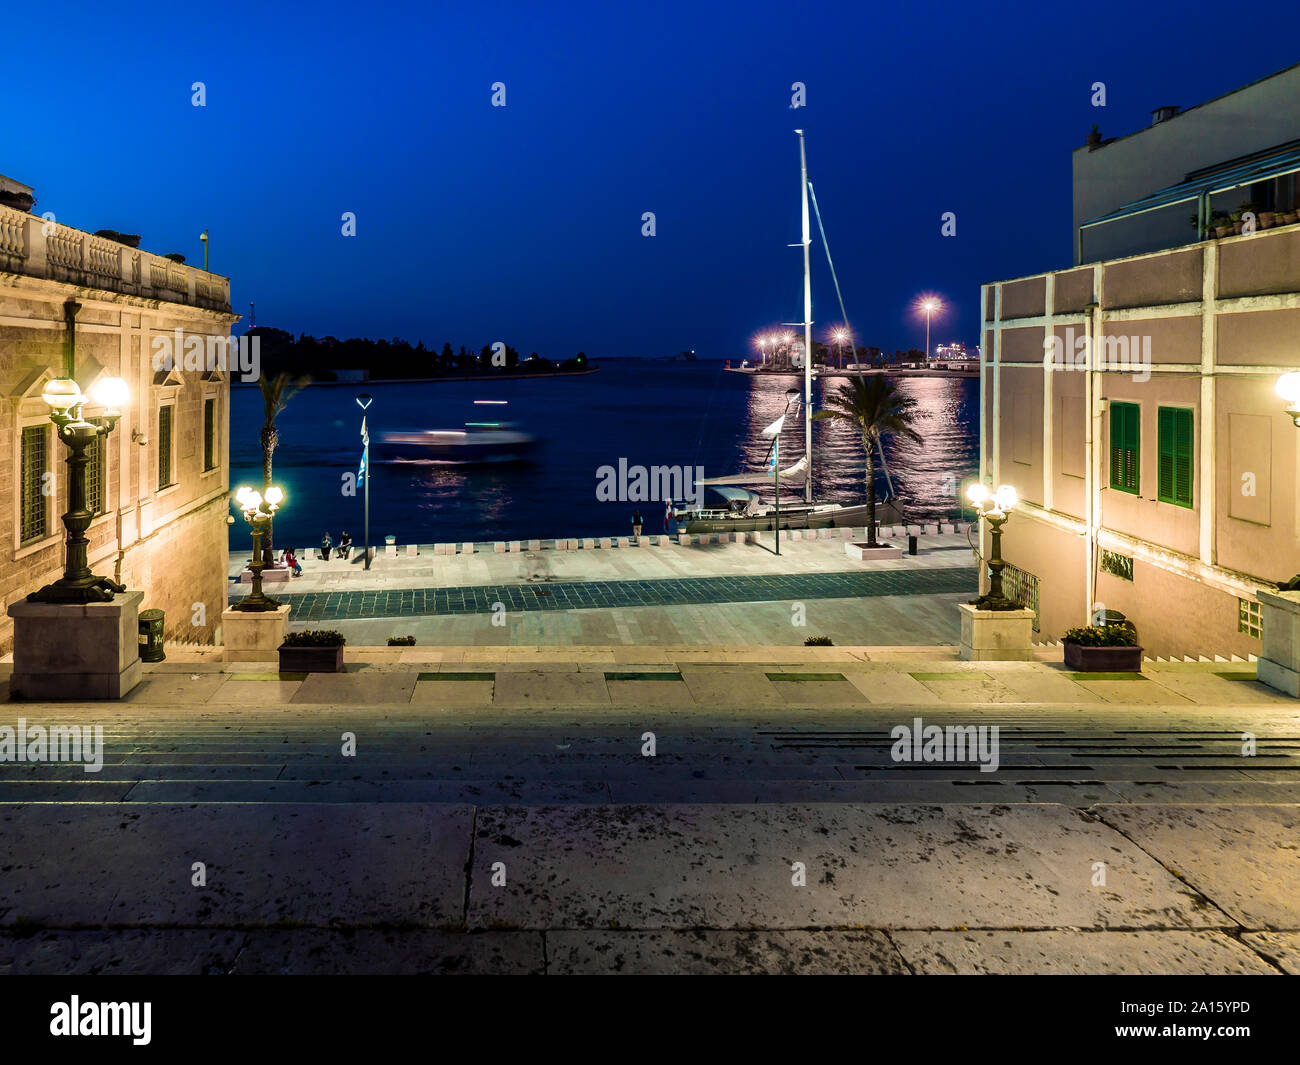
(648,413)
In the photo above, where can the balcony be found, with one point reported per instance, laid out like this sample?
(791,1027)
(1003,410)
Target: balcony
(32,246)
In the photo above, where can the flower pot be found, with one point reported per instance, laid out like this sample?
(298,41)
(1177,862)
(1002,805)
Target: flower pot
(1223,231)
(1103,659)
(311,659)
(1266,219)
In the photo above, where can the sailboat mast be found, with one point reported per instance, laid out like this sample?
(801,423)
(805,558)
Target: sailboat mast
(807,324)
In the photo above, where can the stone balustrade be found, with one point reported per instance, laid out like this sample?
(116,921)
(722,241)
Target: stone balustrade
(38,247)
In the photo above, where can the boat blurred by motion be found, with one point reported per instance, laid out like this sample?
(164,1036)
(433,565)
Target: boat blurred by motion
(477,443)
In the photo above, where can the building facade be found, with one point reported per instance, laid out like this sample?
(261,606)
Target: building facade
(159,482)
(1131,404)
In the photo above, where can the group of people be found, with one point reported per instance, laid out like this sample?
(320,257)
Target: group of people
(289,559)
(343,549)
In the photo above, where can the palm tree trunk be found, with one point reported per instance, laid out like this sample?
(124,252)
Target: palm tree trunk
(871,492)
(268,449)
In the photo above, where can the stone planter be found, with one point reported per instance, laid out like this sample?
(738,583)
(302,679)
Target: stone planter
(311,659)
(1103,659)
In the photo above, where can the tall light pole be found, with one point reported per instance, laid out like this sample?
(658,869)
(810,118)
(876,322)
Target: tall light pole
(929,306)
(204,237)
(840,336)
(363,401)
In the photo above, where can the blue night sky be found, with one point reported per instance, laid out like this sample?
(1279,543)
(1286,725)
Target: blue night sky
(523,223)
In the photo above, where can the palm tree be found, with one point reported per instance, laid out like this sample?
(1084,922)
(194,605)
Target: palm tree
(874,406)
(276,393)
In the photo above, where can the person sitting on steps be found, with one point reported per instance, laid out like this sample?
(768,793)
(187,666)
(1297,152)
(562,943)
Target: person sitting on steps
(325,544)
(345,545)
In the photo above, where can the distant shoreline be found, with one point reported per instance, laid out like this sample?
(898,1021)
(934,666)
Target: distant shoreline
(466,377)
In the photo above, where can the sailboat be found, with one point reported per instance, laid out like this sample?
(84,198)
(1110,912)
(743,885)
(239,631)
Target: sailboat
(744,510)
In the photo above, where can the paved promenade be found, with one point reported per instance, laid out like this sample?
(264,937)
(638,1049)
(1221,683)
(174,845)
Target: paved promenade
(660,595)
(501,813)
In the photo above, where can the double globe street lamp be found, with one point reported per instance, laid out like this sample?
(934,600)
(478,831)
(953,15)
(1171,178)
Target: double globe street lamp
(995,508)
(66,401)
(258,510)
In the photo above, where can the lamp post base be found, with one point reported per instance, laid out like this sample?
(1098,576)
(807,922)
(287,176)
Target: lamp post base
(994,602)
(80,591)
(77,651)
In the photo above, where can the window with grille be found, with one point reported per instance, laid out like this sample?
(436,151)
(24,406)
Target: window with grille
(1117,565)
(165,447)
(209,435)
(95,476)
(35,514)
(1021,587)
(1125,446)
(1249,618)
(1176,438)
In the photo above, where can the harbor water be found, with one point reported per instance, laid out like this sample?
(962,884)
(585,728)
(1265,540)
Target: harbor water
(693,415)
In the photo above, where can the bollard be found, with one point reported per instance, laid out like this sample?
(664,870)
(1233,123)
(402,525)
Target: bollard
(911,545)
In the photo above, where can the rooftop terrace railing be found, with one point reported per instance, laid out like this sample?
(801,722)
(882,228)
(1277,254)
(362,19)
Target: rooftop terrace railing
(39,247)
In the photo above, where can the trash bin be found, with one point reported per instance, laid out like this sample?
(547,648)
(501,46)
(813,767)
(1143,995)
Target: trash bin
(911,545)
(151,636)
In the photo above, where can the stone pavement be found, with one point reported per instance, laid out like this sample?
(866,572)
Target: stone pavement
(666,594)
(503,816)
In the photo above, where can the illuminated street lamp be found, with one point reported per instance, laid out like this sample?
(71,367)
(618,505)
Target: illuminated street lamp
(258,509)
(929,305)
(204,237)
(995,508)
(840,336)
(65,400)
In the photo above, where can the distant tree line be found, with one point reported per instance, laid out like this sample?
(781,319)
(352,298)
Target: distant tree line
(835,355)
(322,357)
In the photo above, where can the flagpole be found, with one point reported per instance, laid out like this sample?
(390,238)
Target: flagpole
(363,401)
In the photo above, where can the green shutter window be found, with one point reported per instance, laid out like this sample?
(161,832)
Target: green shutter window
(164,447)
(1177,442)
(1125,446)
(209,435)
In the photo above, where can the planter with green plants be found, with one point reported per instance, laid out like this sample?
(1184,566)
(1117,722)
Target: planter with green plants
(1094,136)
(312,651)
(401,641)
(1111,648)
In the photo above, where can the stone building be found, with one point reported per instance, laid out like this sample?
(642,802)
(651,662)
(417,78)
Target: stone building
(1131,401)
(159,482)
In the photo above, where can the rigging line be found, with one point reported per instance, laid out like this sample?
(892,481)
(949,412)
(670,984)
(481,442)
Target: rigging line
(822,229)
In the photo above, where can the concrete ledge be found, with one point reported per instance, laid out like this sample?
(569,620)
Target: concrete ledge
(863,553)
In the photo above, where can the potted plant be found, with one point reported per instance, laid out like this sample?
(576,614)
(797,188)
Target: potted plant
(1094,136)
(312,651)
(131,240)
(401,641)
(1266,219)
(1221,224)
(1111,648)
(175,256)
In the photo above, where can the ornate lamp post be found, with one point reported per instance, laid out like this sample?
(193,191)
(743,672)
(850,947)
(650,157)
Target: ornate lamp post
(994,507)
(65,399)
(257,512)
